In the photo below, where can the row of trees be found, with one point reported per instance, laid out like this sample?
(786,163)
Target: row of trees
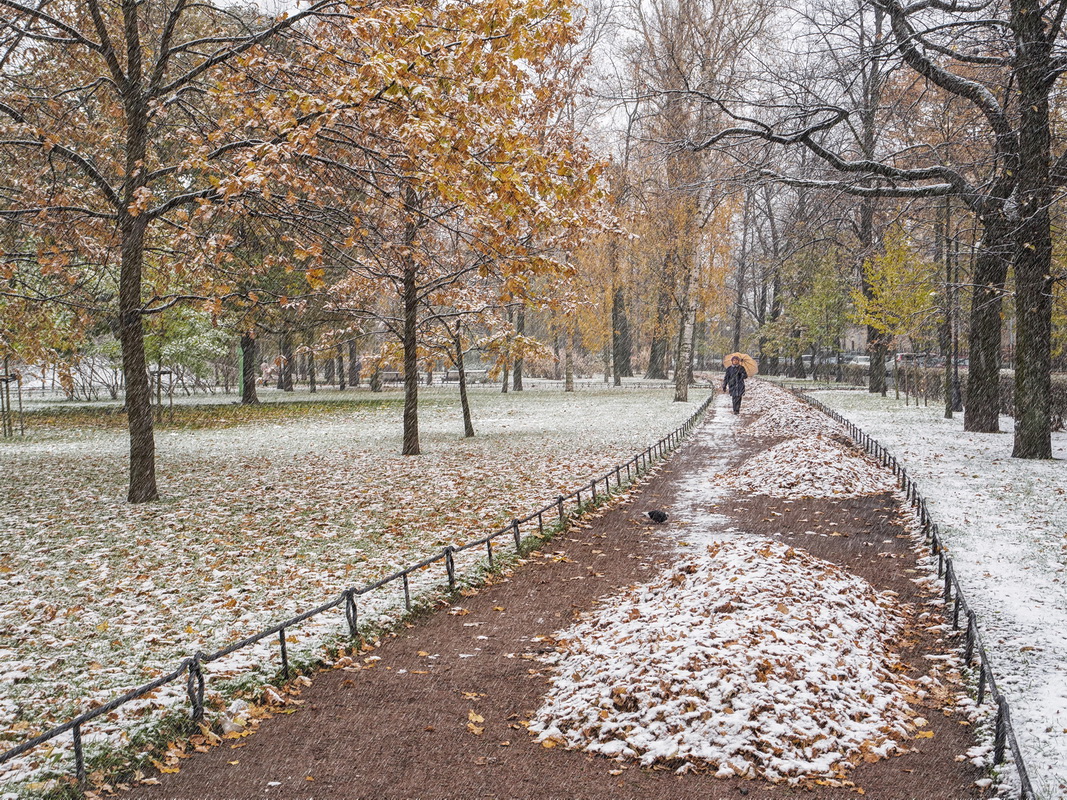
(361,164)
(878,162)
(646,183)
(899,106)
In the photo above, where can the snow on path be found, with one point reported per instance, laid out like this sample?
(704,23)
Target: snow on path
(753,658)
(1004,521)
(810,466)
(750,656)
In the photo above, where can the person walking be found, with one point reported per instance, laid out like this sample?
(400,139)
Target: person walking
(734,382)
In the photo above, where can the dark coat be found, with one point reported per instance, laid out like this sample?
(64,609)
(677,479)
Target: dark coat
(734,380)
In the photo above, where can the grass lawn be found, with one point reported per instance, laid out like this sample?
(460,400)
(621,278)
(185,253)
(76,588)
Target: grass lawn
(266,512)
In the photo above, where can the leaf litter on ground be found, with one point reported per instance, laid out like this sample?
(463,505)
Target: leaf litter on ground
(258,523)
(752,659)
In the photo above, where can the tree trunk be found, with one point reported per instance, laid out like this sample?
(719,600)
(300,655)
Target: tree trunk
(1033,246)
(773,315)
(873,78)
(132,233)
(464,402)
(947,327)
(311,373)
(684,362)
(249,359)
(142,486)
(340,369)
(411,363)
(742,268)
(657,357)
(285,368)
(981,414)
(877,346)
(697,328)
(353,363)
(569,366)
(506,357)
(520,328)
(411,311)
(621,340)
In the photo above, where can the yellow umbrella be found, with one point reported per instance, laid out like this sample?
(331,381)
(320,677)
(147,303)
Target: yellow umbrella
(747,361)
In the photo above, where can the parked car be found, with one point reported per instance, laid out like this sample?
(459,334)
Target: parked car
(915,360)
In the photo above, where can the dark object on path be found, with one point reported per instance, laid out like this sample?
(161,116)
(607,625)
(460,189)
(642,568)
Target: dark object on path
(656,515)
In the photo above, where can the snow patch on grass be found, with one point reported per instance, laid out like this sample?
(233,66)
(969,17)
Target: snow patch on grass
(1004,522)
(259,522)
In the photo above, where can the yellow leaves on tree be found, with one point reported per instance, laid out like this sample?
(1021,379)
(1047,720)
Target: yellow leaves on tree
(902,300)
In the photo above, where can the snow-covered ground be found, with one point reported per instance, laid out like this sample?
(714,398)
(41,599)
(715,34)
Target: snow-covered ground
(1004,521)
(263,521)
(749,656)
(259,522)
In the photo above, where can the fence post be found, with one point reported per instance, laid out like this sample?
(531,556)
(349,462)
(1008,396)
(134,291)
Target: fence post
(559,504)
(351,613)
(285,655)
(515,534)
(407,593)
(79,756)
(592,485)
(972,627)
(450,566)
(1000,734)
(489,549)
(194,686)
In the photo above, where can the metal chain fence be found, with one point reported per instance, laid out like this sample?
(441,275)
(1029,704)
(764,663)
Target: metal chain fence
(1003,732)
(555,513)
